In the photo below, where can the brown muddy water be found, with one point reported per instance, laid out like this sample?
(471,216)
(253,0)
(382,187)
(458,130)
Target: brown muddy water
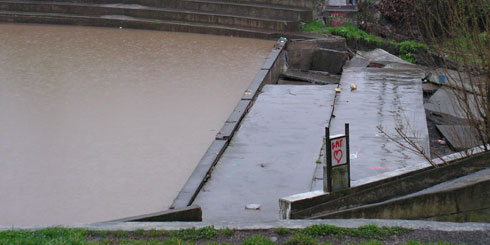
(99,124)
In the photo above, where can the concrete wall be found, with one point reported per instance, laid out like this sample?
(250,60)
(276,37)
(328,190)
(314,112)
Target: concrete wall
(300,52)
(467,204)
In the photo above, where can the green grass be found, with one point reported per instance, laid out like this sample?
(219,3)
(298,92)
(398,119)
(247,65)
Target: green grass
(257,240)
(195,234)
(44,236)
(302,239)
(226,232)
(206,235)
(367,231)
(347,31)
(409,47)
(282,231)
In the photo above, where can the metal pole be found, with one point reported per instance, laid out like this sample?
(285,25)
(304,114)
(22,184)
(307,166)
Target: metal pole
(347,147)
(327,170)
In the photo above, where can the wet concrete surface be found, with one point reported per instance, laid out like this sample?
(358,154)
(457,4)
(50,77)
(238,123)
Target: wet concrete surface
(272,155)
(100,123)
(387,97)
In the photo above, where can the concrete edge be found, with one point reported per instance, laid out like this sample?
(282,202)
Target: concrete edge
(290,224)
(202,172)
(190,213)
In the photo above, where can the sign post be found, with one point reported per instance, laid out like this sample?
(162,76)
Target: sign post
(336,172)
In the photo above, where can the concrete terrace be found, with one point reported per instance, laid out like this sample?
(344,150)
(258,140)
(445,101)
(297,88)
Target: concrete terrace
(275,148)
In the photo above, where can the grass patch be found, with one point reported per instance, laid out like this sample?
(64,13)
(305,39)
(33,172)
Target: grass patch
(367,231)
(257,240)
(195,234)
(206,235)
(44,236)
(282,231)
(302,239)
(347,31)
(350,32)
(409,47)
(226,232)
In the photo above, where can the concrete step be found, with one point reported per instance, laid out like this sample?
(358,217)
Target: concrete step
(242,8)
(308,4)
(122,21)
(250,9)
(140,11)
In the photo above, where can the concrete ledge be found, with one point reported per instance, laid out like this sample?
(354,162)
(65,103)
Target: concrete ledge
(191,213)
(234,119)
(200,175)
(290,224)
(255,85)
(380,190)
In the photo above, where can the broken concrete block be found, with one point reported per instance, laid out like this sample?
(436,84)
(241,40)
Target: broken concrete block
(300,52)
(329,60)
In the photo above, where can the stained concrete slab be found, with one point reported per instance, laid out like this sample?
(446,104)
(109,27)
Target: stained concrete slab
(272,155)
(450,102)
(387,97)
(459,137)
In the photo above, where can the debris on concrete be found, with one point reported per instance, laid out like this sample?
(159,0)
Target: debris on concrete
(456,79)
(446,102)
(459,137)
(252,206)
(429,88)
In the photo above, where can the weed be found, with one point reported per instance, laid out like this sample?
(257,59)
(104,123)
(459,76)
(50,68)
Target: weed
(409,47)
(301,239)
(257,240)
(322,230)
(226,232)
(314,26)
(371,242)
(120,234)
(374,231)
(318,161)
(282,231)
(195,234)
(424,243)
(156,233)
(139,232)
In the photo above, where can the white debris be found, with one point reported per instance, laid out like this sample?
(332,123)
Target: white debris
(253,206)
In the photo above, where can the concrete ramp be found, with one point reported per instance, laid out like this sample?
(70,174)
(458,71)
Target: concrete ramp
(272,155)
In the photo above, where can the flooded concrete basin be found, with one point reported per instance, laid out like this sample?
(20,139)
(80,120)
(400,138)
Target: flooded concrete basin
(98,123)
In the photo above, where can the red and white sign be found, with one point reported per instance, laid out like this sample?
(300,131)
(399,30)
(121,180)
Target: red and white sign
(339,150)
